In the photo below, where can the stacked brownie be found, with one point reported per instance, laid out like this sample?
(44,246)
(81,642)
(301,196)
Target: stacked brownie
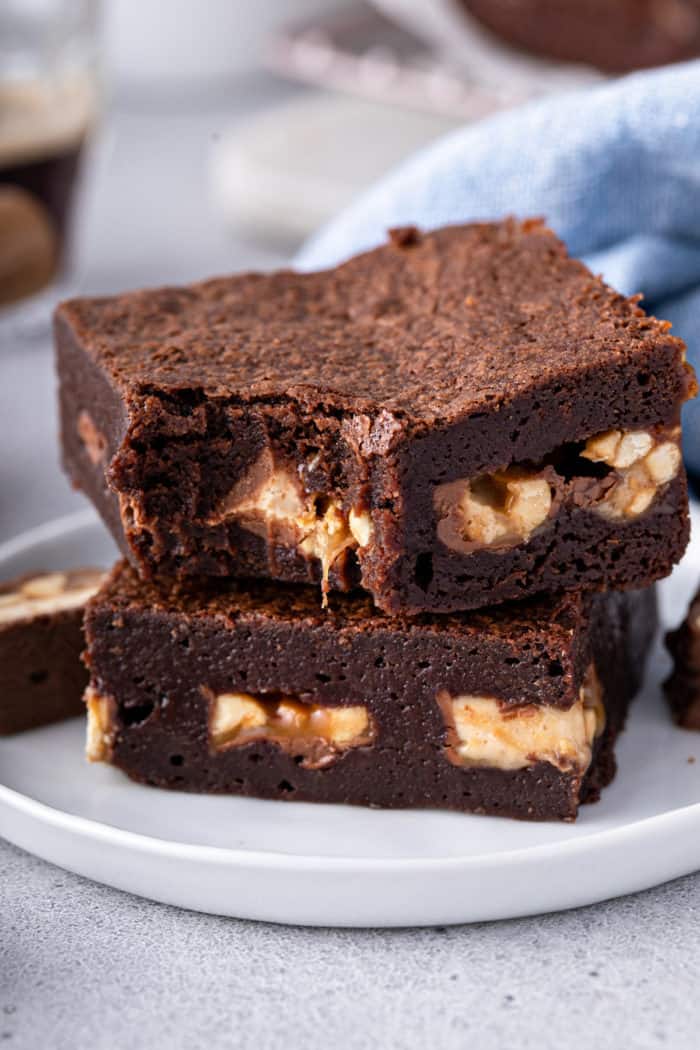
(387,528)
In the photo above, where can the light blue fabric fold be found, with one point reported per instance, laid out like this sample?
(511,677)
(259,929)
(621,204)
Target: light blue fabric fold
(614,169)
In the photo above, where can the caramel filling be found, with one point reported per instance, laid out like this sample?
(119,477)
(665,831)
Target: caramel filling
(100,727)
(270,502)
(316,734)
(484,731)
(93,440)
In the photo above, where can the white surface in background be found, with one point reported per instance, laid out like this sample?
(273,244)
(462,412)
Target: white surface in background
(290,169)
(341,865)
(176,42)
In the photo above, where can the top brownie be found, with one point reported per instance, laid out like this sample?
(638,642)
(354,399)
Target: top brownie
(448,421)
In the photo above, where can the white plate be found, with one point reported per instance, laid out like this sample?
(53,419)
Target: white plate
(341,866)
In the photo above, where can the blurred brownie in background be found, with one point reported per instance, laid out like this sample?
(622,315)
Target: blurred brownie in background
(614,35)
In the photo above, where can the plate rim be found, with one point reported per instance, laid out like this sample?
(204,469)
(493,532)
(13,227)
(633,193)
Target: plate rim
(85,827)
(47,530)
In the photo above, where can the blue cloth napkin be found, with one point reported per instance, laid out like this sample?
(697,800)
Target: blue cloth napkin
(614,169)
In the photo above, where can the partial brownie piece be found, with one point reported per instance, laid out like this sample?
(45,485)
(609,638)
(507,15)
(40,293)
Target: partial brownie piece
(614,35)
(255,691)
(42,678)
(450,421)
(683,685)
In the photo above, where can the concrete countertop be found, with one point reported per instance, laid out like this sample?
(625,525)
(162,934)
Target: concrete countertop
(85,966)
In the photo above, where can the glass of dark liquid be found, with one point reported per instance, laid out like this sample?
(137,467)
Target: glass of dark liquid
(48,105)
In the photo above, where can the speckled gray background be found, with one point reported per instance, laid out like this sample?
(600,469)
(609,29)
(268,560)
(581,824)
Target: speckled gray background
(82,966)
(85,966)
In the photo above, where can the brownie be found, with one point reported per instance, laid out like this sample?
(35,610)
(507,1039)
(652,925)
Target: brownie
(42,678)
(452,420)
(683,685)
(614,35)
(251,689)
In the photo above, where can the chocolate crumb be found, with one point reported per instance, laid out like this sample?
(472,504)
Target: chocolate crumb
(405,236)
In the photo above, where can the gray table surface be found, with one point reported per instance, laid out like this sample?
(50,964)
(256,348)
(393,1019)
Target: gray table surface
(85,966)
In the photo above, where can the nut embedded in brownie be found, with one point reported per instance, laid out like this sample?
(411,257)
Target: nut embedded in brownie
(251,689)
(42,678)
(455,419)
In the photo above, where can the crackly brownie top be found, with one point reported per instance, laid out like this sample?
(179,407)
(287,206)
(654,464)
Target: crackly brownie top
(429,326)
(553,621)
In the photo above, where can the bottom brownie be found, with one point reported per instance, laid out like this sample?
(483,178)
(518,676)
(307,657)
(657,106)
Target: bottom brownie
(683,685)
(42,679)
(253,690)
